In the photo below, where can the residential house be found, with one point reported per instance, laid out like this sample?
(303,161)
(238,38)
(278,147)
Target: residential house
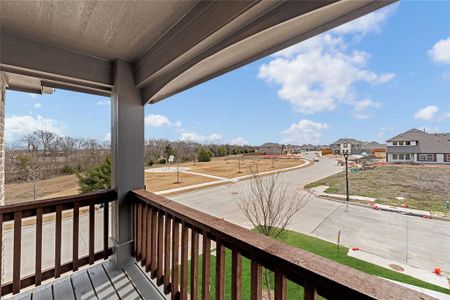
(356,147)
(352,146)
(271,148)
(417,146)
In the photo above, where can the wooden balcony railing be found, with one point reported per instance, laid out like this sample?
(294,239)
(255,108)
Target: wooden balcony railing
(157,245)
(53,210)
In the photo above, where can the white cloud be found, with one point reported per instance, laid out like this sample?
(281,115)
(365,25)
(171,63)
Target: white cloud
(440,52)
(104,102)
(304,132)
(33,95)
(159,121)
(426,113)
(37,105)
(107,137)
(361,107)
(383,130)
(368,23)
(198,138)
(239,141)
(316,75)
(447,115)
(18,126)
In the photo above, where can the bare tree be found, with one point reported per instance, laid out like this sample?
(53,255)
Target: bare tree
(270,206)
(46,139)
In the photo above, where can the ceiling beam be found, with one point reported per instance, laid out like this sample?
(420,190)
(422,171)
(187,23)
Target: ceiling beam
(33,58)
(203,20)
(289,13)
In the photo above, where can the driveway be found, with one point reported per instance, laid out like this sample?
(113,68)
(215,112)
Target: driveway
(414,241)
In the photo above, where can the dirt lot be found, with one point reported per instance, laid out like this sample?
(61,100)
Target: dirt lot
(425,188)
(155,182)
(229,168)
(222,167)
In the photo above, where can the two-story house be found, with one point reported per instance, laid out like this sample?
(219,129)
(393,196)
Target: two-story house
(417,146)
(346,145)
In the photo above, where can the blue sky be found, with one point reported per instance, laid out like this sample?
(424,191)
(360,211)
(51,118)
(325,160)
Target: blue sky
(370,79)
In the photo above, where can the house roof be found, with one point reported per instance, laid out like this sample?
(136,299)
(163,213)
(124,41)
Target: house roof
(427,142)
(373,145)
(173,45)
(346,140)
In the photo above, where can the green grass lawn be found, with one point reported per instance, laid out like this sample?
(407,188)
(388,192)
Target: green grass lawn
(321,248)
(424,188)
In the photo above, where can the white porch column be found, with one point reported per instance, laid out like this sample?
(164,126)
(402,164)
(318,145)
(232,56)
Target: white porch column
(127,145)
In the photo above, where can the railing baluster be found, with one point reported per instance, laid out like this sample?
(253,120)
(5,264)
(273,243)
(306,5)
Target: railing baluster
(167,254)
(175,250)
(17,250)
(184,261)
(58,232)
(220,270)
(280,286)
(144,235)
(206,267)
(154,240)
(148,240)
(105,229)
(310,291)
(135,233)
(194,264)
(159,270)
(76,227)
(91,232)
(256,281)
(236,275)
(139,231)
(38,259)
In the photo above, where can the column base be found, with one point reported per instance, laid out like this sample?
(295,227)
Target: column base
(121,256)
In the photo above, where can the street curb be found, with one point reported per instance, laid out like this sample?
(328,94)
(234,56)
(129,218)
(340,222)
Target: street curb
(382,209)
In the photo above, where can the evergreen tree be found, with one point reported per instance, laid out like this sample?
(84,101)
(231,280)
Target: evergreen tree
(204,155)
(96,179)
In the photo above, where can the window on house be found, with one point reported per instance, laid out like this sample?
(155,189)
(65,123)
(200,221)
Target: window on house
(427,157)
(394,156)
(407,156)
(400,143)
(395,143)
(407,143)
(447,157)
(401,157)
(345,145)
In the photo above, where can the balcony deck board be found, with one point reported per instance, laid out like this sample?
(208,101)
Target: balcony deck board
(62,289)
(100,281)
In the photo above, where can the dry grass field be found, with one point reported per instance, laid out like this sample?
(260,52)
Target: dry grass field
(155,182)
(229,167)
(425,188)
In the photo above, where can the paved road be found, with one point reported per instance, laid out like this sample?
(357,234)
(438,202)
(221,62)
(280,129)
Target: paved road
(418,242)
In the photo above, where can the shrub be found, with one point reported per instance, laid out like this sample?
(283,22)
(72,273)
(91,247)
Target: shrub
(67,170)
(96,179)
(162,161)
(204,155)
(150,163)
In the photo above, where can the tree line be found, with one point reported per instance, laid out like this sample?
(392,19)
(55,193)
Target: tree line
(44,154)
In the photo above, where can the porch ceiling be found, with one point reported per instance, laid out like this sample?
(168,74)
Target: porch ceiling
(173,44)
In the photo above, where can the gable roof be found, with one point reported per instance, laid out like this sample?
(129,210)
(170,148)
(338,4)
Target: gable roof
(346,140)
(427,142)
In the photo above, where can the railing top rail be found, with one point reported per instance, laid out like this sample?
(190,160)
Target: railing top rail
(108,195)
(330,278)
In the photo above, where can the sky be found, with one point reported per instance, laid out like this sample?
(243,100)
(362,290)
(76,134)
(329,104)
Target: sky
(369,79)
